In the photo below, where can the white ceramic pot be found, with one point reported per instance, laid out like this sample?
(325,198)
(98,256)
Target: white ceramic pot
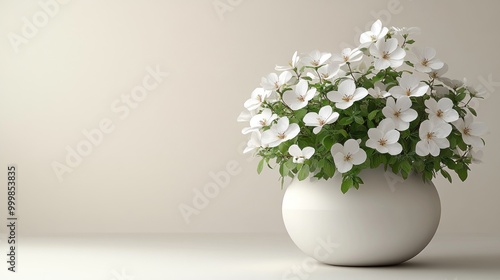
(386,222)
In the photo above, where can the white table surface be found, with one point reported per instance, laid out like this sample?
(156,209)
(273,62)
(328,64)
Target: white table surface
(233,256)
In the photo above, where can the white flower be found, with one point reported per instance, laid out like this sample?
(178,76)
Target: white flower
(291,65)
(378,91)
(376,33)
(441,110)
(254,142)
(473,154)
(432,138)
(405,31)
(385,138)
(280,132)
(440,91)
(347,155)
(323,117)
(409,85)
(246,116)
(347,94)
(258,96)
(387,53)
(273,82)
(299,97)
(299,156)
(426,61)
(258,121)
(400,112)
(471,131)
(452,83)
(438,74)
(348,55)
(316,58)
(327,71)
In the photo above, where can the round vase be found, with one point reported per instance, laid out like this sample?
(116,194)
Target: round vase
(386,221)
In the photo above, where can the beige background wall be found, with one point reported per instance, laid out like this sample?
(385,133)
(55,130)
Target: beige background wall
(74,69)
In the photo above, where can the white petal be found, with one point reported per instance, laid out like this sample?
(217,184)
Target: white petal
(282,124)
(425,127)
(335,96)
(421,90)
(332,118)
(429,53)
(359,94)
(347,87)
(372,143)
(442,143)
(359,157)
(422,149)
(403,103)
(394,149)
(390,45)
(398,54)
(301,87)
(478,129)
(295,151)
(317,129)
(386,124)
(450,116)
(308,152)
(442,130)
(475,141)
(433,148)
(325,112)
(397,91)
(337,148)
(375,134)
(351,146)
(311,119)
(392,136)
(381,63)
(341,165)
(292,131)
(408,115)
(344,105)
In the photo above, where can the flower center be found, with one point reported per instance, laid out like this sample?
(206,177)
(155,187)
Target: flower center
(467,131)
(263,122)
(276,85)
(259,98)
(397,113)
(439,113)
(386,55)
(374,38)
(348,157)
(430,135)
(408,92)
(346,58)
(382,142)
(301,98)
(315,63)
(281,136)
(321,121)
(347,98)
(425,62)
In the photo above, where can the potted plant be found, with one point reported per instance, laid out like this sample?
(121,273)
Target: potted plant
(381,119)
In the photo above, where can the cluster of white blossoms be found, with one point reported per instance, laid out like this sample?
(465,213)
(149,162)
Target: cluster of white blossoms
(416,102)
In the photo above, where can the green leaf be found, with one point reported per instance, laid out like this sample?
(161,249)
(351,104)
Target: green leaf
(406,166)
(446,175)
(462,173)
(260,166)
(329,169)
(472,111)
(409,63)
(346,184)
(327,142)
(304,172)
(345,121)
(359,120)
(410,42)
(372,114)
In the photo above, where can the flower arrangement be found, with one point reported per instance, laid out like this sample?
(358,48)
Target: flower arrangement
(382,103)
